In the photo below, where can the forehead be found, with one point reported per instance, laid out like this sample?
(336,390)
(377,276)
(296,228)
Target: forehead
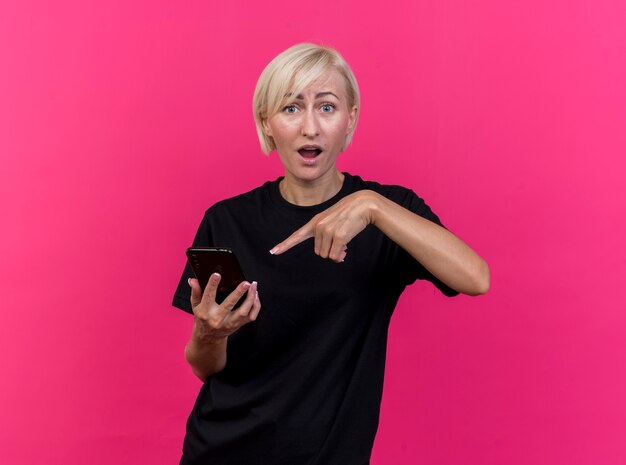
(329,81)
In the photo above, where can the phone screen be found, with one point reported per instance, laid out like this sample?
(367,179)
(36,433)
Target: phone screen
(205,261)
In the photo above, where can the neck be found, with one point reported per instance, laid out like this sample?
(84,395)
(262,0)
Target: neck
(305,193)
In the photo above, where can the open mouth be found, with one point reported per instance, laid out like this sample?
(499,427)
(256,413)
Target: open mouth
(309,152)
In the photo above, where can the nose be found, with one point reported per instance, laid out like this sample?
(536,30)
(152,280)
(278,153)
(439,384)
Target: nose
(310,124)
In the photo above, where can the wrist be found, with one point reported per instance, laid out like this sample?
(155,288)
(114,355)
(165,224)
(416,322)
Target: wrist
(203,336)
(374,206)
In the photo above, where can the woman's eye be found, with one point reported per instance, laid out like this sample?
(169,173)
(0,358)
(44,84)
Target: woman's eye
(290,109)
(327,108)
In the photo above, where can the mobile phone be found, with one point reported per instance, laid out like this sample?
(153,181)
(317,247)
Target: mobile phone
(205,261)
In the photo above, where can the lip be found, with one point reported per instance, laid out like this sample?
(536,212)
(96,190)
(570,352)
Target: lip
(309,160)
(310,146)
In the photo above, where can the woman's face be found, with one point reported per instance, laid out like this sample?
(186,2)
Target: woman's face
(310,131)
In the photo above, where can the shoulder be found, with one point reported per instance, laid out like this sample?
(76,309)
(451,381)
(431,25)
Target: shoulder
(252,199)
(398,194)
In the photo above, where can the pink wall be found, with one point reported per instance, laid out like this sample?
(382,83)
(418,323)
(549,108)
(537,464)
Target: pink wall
(120,122)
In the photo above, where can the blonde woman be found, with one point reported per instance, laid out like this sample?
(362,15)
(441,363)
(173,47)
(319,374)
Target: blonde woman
(298,379)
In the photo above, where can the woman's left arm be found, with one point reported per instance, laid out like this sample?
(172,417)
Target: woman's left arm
(446,256)
(442,253)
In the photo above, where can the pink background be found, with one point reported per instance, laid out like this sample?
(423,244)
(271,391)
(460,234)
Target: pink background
(122,121)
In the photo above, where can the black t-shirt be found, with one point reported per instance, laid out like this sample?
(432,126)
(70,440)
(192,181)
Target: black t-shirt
(303,383)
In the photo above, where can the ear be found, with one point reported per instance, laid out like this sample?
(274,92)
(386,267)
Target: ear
(266,128)
(354,111)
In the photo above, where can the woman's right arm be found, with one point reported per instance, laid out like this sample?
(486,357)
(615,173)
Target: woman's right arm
(213,324)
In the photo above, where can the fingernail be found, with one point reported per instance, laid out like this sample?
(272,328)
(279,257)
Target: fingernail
(216,275)
(189,281)
(274,250)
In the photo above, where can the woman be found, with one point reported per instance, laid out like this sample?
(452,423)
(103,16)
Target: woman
(300,380)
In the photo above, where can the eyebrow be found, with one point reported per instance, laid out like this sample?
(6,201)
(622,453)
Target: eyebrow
(318,95)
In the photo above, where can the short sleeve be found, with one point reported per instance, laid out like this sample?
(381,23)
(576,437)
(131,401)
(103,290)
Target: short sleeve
(412,269)
(183,292)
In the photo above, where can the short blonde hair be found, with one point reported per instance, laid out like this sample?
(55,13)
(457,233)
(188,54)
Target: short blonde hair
(289,74)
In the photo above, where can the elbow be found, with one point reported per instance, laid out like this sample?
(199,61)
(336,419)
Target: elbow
(484,281)
(201,376)
(482,289)
(481,280)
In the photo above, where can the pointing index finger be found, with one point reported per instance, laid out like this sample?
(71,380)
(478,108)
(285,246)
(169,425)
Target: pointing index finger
(300,235)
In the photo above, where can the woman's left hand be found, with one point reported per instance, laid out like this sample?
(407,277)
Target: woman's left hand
(335,227)
(442,253)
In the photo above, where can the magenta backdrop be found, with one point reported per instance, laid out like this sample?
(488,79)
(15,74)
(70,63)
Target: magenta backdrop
(121,121)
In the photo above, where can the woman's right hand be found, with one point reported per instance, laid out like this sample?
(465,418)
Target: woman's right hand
(215,321)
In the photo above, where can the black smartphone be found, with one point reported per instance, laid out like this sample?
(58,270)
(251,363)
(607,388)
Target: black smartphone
(205,261)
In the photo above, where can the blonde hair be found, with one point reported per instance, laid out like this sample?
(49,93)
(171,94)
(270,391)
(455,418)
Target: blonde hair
(289,74)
